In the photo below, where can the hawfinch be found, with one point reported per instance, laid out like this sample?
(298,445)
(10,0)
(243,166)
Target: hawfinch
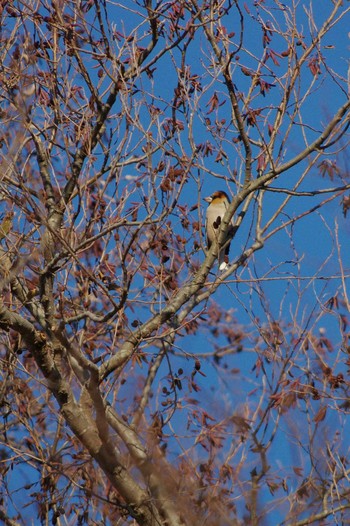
(218,204)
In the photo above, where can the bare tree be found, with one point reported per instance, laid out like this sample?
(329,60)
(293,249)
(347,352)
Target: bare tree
(141,385)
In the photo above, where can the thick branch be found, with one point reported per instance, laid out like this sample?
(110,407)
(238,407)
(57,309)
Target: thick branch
(80,421)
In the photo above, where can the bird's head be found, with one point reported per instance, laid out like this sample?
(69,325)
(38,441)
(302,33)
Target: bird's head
(217,197)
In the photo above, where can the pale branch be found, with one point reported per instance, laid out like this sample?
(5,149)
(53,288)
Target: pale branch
(27,300)
(81,422)
(315,145)
(315,517)
(288,197)
(97,318)
(296,218)
(309,193)
(155,470)
(10,319)
(291,277)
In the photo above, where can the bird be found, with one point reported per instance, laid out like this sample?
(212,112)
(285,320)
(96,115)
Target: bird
(218,204)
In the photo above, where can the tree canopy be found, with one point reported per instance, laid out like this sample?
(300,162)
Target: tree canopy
(139,383)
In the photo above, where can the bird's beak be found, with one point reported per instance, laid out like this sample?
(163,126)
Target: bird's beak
(208,199)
